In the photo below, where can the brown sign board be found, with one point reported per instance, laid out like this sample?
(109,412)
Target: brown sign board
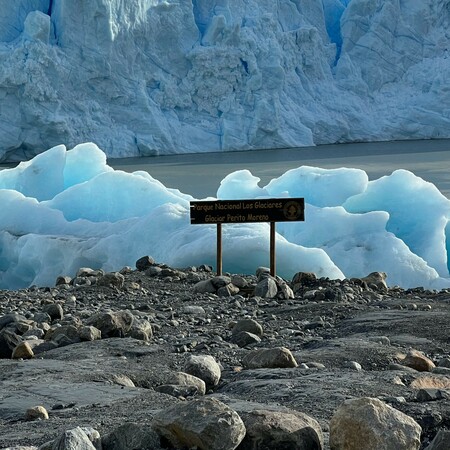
(248,211)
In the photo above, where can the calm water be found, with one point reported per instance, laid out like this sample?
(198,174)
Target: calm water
(200,174)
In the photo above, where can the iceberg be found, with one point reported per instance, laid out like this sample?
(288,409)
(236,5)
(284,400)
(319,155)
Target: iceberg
(152,77)
(67,209)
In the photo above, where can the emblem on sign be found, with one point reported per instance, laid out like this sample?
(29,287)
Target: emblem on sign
(292,210)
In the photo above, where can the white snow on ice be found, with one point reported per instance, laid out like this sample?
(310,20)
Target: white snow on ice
(68,209)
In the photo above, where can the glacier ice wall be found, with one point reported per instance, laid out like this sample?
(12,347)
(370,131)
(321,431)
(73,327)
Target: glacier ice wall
(163,76)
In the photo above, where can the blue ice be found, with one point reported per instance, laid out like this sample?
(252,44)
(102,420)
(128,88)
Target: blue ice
(67,208)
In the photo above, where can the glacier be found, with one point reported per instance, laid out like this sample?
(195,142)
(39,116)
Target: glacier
(66,209)
(148,77)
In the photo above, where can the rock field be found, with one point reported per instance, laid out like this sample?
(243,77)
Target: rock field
(154,357)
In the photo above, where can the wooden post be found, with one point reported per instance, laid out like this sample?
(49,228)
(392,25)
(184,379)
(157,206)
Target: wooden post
(247,211)
(219,249)
(272,249)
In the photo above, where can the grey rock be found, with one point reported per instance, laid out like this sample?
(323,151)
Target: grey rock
(266,288)
(444,362)
(376,280)
(131,436)
(10,318)
(353,365)
(112,324)
(244,338)
(185,379)
(153,271)
(285,292)
(249,325)
(22,351)
(238,281)
(262,272)
(54,310)
(204,367)
(75,439)
(441,441)
(418,361)
(34,332)
(277,357)
(140,329)
(8,342)
(111,279)
(442,370)
(89,333)
(280,430)
(94,437)
(429,395)
(57,334)
(144,263)
(220,281)
(193,310)
(62,280)
(205,287)
(204,423)
(370,424)
(42,317)
(36,413)
(303,279)
(228,291)
(85,272)
(126,270)
(177,390)
(83,281)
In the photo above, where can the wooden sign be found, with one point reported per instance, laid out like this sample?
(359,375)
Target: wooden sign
(247,211)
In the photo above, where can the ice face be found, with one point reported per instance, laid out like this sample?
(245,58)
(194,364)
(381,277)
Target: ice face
(68,209)
(154,77)
(13,16)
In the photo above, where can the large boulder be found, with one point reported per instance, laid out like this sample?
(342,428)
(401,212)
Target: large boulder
(204,423)
(280,430)
(75,439)
(131,436)
(369,424)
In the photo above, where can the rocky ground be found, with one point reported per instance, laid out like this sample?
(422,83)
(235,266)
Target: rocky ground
(103,351)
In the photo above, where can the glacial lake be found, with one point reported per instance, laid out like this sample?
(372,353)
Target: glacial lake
(200,174)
